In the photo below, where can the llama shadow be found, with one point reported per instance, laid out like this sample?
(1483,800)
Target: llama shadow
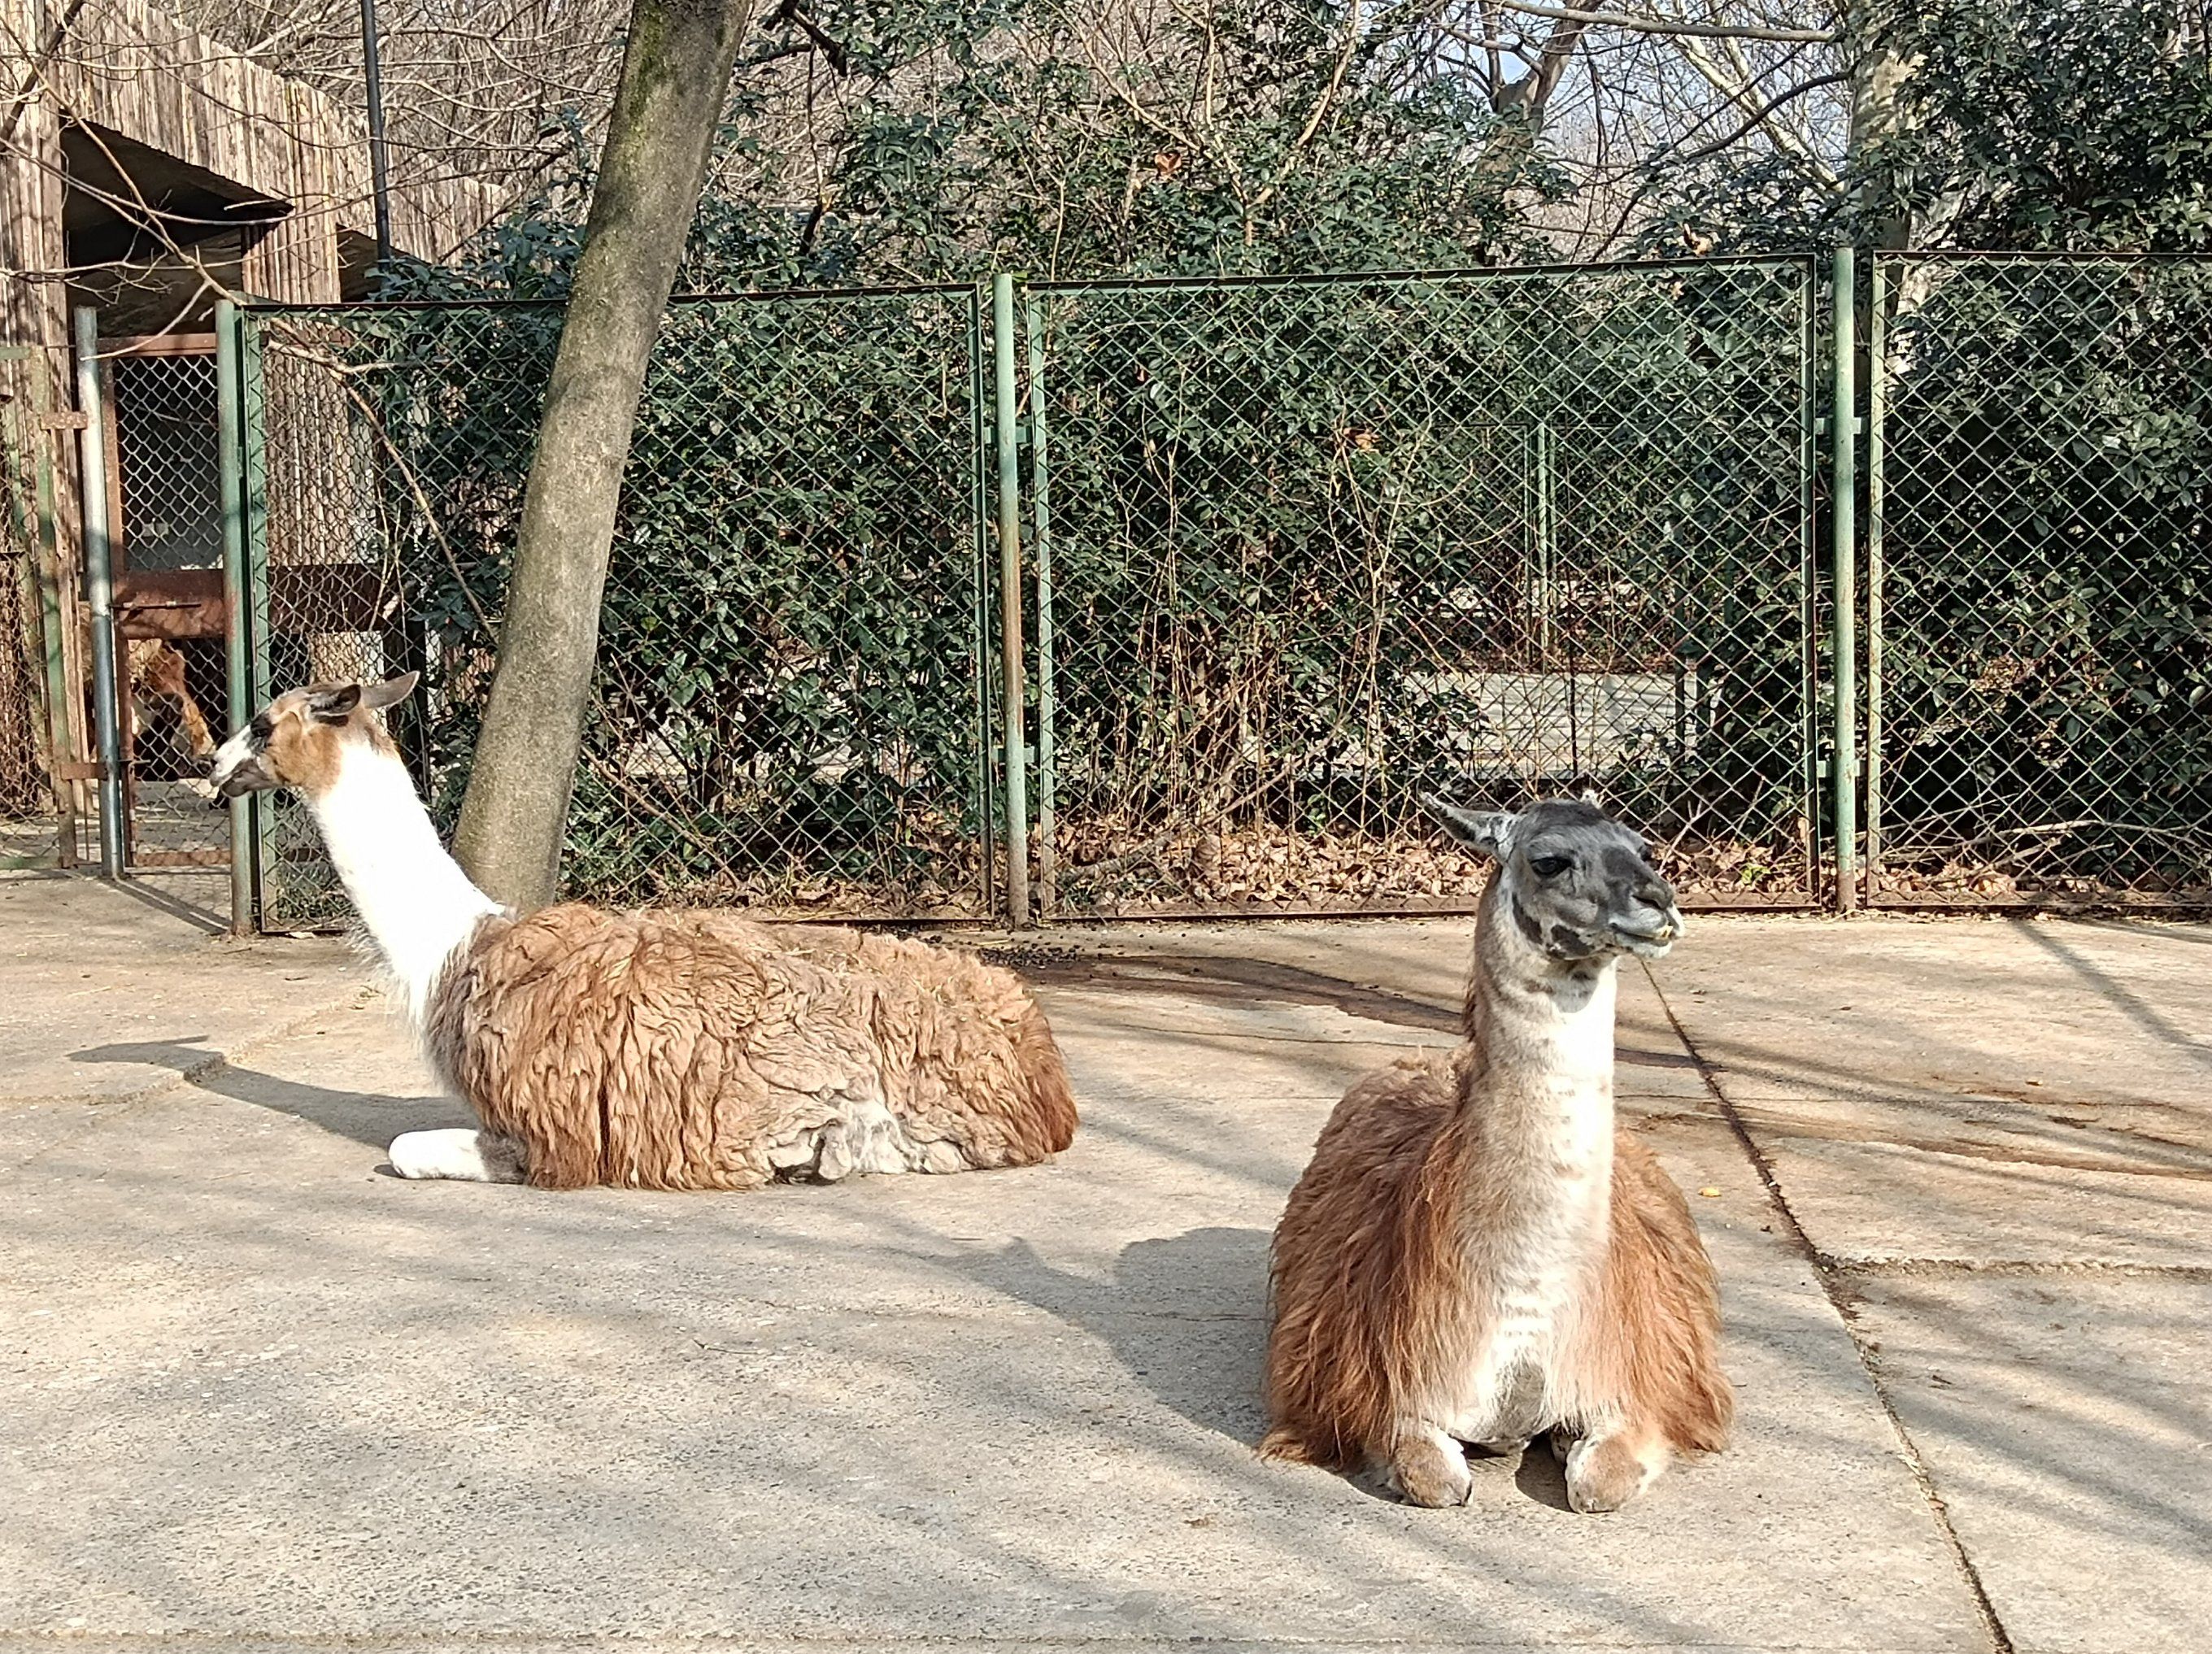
(1186,1316)
(370,1118)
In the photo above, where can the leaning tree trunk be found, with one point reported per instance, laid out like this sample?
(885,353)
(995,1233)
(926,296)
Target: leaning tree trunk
(675,73)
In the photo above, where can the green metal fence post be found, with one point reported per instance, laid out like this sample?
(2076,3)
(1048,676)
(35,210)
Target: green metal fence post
(1877,408)
(988,889)
(1040,510)
(1843,523)
(253,519)
(1013,696)
(1808,570)
(230,449)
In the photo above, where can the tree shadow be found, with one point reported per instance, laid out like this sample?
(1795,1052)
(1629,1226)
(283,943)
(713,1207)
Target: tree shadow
(1185,1314)
(1229,980)
(370,1118)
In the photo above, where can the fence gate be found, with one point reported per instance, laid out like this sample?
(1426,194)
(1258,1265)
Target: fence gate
(2039,658)
(1304,549)
(158,403)
(792,705)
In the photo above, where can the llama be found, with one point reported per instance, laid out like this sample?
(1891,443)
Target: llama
(1473,1257)
(692,1049)
(157,674)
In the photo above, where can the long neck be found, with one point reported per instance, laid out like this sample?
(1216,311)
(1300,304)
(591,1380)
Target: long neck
(1542,1034)
(417,904)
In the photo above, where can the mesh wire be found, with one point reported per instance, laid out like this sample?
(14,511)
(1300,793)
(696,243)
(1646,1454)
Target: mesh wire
(170,520)
(2039,694)
(1298,550)
(26,797)
(165,423)
(1315,547)
(789,702)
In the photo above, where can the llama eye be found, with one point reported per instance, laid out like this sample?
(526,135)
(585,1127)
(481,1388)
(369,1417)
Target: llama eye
(1548,866)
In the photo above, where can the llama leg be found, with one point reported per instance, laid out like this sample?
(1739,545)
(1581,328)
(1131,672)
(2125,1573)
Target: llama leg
(464,1156)
(1612,1464)
(1429,1467)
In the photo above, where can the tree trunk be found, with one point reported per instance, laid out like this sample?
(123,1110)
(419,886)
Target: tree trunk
(675,73)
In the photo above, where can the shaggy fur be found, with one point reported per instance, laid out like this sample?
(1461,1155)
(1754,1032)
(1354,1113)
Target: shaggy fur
(658,1049)
(157,674)
(1474,1256)
(700,1051)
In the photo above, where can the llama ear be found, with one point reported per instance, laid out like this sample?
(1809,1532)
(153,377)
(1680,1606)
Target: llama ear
(1487,832)
(334,704)
(391,692)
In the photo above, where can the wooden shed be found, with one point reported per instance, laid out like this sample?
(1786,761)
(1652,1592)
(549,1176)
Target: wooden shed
(147,171)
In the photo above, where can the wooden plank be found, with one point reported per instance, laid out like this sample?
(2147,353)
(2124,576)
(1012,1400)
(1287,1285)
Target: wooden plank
(176,604)
(181,859)
(160,345)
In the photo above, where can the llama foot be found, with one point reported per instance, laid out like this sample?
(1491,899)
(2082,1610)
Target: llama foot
(464,1156)
(1430,1468)
(1608,1468)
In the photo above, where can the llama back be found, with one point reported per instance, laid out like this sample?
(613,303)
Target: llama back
(704,1050)
(612,1047)
(981,1048)
(1363,1310)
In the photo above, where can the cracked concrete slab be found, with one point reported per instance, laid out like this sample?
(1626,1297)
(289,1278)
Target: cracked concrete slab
(2066,1425)
(1983,1091)
(260,1392)
(92,969)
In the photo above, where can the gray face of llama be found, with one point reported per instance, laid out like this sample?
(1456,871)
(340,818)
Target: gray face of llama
(1578,885)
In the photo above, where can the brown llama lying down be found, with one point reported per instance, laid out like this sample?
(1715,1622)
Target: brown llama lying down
(1474,1256)
(658,1049)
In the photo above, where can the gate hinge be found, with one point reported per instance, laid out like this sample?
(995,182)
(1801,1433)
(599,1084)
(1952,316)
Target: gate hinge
(71,769)
(69,419)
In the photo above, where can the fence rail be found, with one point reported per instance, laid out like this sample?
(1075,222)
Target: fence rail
(1265,559)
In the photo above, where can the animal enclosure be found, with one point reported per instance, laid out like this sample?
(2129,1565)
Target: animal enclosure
(1286,553)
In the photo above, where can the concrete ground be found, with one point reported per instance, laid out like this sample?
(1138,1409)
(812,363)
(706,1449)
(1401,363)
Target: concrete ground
(257,1394)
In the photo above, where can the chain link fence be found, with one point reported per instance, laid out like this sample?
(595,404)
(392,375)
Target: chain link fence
(26,795)
(792,699)
(1294,552)
(2038,706)
(1307,548)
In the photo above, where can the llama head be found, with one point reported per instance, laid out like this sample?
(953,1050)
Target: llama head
(300,739)
(1575,883)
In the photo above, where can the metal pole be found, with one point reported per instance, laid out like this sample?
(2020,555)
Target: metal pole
(989,888)
(100,588)
(1012,698)
(1877,409)
(230,466)
(1843,429)
(1040,485)
(379,173)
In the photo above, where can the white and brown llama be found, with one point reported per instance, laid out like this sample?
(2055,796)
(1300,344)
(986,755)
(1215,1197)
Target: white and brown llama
(667,1049)
(1474,1256)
